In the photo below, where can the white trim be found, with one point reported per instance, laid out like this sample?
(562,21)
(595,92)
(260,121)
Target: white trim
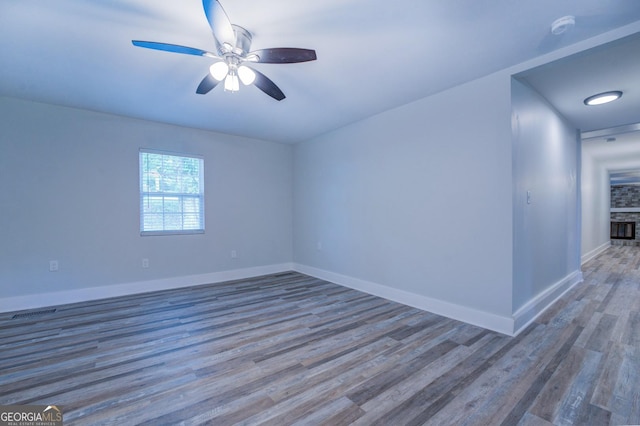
(506,325)
(536,306)
(595,252)
(625,209)
(40,300)
(482,319)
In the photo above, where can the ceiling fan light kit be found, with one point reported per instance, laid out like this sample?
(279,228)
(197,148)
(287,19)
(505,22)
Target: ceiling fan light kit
(232,46)
(230,69)
(603,98)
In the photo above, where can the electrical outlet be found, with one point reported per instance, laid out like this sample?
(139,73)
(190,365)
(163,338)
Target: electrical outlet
(234,254)
(53,266)
(145,263)
(319,245)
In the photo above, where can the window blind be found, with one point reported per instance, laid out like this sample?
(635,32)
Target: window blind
(171,193)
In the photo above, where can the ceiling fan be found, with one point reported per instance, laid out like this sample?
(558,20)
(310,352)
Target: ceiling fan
(232,46)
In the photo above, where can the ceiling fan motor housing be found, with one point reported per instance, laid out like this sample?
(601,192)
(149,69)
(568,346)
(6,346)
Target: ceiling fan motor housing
(243,40)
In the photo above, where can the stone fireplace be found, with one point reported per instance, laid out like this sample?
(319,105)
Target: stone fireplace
(625,214)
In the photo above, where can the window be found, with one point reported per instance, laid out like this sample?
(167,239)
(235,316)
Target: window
(171,193)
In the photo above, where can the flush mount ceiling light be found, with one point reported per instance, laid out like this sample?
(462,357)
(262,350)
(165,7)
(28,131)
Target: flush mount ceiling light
(603,98)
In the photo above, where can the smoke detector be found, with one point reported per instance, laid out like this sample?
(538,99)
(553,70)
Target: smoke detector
(562,25)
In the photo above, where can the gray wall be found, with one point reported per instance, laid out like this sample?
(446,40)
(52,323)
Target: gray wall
(546,230)
(417,199)
(424,201)
(69,185)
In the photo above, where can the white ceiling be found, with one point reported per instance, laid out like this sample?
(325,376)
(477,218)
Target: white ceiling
(565,83)
(373,55)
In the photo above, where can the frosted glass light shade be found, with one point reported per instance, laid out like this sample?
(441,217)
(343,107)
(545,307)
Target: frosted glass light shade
(603,98)
(219,70)
(246,74)
(231,83)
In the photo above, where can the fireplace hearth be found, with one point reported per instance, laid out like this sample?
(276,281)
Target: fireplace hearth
(623,230)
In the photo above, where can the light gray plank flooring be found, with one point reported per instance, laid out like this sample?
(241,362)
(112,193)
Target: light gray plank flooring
(290,349)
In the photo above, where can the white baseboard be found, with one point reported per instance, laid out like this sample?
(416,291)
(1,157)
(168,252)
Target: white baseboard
(536,306)
(41,300)
(593,253)
(482,319)
(507,325)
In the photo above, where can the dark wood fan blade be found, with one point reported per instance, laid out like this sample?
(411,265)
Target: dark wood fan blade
(207,83)
(284,55)
(219,22)
(166,47)
(267,86)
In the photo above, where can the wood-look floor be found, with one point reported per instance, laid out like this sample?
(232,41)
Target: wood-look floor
(290,349)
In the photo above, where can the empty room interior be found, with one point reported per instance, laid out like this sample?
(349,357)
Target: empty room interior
(236,212)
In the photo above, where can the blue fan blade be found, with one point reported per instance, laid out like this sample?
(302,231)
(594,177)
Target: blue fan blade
(172,48)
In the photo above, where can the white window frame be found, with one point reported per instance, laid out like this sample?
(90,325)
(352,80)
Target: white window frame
(147,195)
